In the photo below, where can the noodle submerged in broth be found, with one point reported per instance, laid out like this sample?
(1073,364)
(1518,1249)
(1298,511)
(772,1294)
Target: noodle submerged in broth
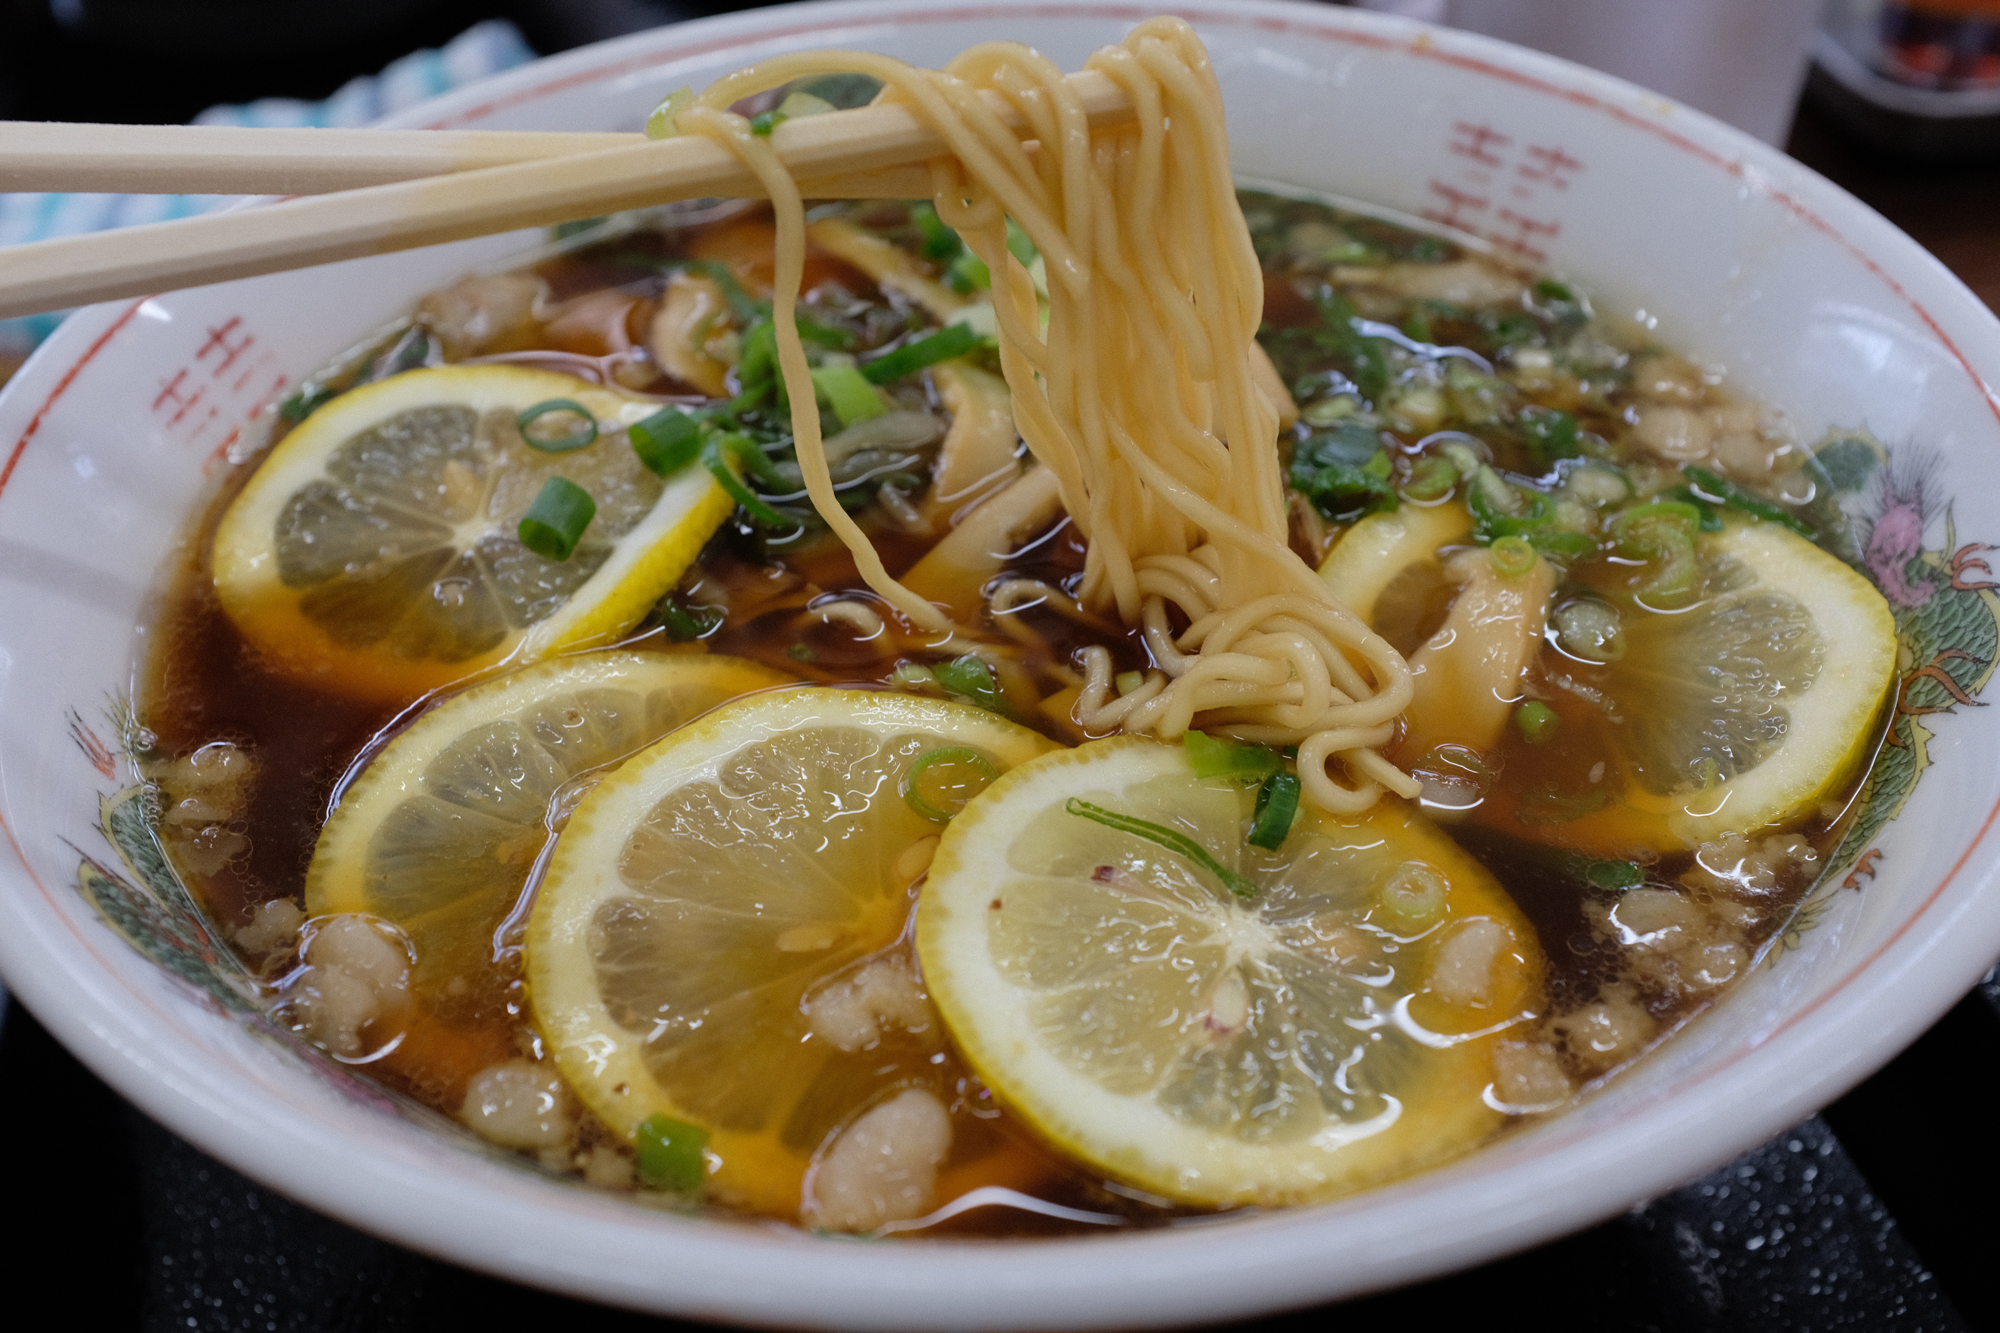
(1343,520)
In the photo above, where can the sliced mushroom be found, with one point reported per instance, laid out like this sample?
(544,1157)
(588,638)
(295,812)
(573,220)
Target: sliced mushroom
(980,453)
(954,571)
(482,314)
(690,331)
(890,266)
(1468,676)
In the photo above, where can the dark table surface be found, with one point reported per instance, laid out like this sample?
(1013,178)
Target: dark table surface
(1871,1215)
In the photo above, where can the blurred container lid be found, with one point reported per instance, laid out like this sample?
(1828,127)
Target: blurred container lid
(1916,78)
(1742,61)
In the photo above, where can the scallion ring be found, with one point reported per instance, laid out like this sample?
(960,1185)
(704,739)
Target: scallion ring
(1277,807)
(556,521)
(584,434)
(956,755)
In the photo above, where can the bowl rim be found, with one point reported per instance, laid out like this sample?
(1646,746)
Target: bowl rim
(1178,1275)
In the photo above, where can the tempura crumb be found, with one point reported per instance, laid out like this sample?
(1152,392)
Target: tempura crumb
(202,804)
(519,1104)
(1734,866)
(273,928)
(855,1013)
(1463,970)
(1528,1075)
(355,973)
(606,1167)
(1606,1032)
(883,1167)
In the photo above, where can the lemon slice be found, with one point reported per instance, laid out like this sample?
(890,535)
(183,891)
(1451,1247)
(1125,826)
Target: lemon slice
(1331,1030)
(440,831)
(374,552)
(1747,709)
(702,893)
(1385,569)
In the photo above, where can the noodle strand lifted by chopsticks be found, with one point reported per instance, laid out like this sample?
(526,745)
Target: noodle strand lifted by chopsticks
(1139,397)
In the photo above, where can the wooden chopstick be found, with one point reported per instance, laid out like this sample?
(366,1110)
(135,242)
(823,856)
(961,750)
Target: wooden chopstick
(871,152)
(235,159)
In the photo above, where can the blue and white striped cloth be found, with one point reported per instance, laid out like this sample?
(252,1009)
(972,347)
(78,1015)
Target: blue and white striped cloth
(485,48)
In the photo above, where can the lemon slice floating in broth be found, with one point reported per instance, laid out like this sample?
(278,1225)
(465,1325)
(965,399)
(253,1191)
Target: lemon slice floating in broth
(703,895)
(1325,1025)
(440,831)
(1744,709)
(375,551)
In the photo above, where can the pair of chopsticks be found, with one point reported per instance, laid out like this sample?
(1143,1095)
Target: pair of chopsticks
(376,191)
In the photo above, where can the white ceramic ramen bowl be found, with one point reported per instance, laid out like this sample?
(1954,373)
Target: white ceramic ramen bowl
(1733,252)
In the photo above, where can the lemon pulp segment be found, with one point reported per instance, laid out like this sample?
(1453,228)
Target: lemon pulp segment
(1280,1048)
(441,829)
(1743,710)
(375,551)
(704,889)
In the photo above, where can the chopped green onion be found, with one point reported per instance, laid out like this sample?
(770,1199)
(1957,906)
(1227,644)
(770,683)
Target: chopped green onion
(660,125)
(1589,629)
(555,522)
(764,122)
(912,673)
(1020,244)
(666,441)
(715,455)
(305,402)
(802,652)
(1717,489)
(954,756)
(1215,758)
(1551,290)
(1549,433)
(1277,807)
(940,241)
(804,104)
(757,363)
(670,1154)
(1615,875)
(953,340)
(1128,681)
(1711,521)
(849,393)
(685,621)
(812,331)
(1431,479)
(968,273)
(583,434)
(971,680)
(1178,843)
(1414,894)
(1512,556)
(1536,721)
(1661,533)
(744,308)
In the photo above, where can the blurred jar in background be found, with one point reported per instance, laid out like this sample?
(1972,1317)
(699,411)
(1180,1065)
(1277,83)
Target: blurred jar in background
(1946,44)
(1742,61)
(1918,80)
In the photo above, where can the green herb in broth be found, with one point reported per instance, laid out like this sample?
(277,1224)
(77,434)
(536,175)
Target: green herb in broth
(1429,381)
